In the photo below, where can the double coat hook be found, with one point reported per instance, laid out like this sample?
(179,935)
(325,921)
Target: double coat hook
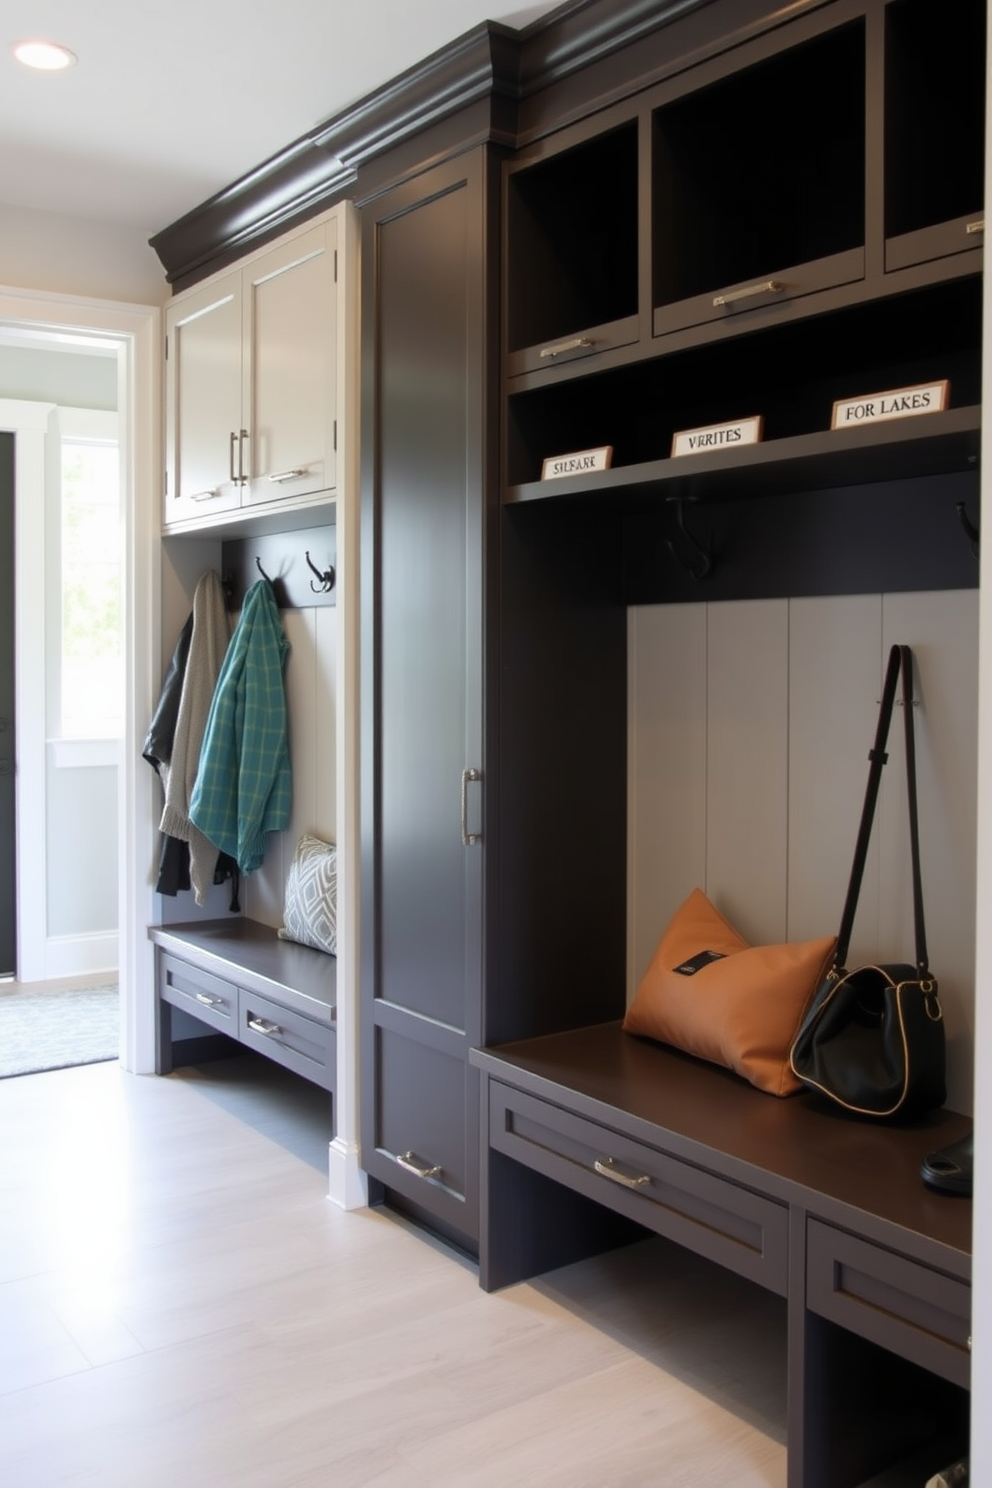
(326,578)
(695,557)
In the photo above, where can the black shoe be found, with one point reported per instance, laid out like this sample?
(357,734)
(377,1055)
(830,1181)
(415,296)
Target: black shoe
(951,1168)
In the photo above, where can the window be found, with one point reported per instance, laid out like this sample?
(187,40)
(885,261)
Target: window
(91,701)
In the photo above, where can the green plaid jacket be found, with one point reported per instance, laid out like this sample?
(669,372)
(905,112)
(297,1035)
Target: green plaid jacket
(243,786)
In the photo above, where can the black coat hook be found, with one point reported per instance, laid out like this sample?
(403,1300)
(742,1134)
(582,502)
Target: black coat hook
(971,531)
(695,557)
(258,565)
(326,578)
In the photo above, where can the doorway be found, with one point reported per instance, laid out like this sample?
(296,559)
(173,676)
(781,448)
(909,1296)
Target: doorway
(133,333)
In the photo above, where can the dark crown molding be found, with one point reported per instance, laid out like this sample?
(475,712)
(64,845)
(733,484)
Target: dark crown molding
(490,63)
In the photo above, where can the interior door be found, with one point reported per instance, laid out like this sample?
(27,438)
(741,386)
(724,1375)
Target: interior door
(8,910)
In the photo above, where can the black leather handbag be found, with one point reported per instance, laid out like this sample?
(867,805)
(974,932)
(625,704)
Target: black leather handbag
(872,1039)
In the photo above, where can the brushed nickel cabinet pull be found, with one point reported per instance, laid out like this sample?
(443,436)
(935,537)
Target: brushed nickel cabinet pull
(976,227)
(770,286)
(230,457)
(209,1001)
(576,343)
(415,1165)
(288,475)
(262,1025)
(204,495)
(242,477)
(609,1169)
(469,839)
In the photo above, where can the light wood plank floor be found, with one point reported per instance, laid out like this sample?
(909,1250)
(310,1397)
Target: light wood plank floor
(181,1305)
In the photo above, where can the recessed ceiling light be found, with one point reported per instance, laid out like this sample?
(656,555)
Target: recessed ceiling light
(45,56)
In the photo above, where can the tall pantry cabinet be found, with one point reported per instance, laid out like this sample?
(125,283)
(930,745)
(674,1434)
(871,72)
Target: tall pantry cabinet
(427,450)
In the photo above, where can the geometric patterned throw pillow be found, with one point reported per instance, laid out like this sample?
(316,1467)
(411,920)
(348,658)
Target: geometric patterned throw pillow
(310,911)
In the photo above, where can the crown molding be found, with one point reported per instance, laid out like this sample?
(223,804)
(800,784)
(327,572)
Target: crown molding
(491,65)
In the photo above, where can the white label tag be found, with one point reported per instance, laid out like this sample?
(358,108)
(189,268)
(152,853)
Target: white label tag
(579,463)
(717,436)
(877,408)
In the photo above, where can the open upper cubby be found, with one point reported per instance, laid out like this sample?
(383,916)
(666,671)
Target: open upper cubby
(572,264)
(927,335)
(934,129)
(759,182)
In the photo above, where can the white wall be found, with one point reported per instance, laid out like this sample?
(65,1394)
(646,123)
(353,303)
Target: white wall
(78,256)
(750,725)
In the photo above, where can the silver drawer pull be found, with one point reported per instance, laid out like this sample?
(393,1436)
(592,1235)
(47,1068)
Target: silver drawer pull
(204,495)
(576,344)
(976,227)
(770,286)
(608,1168)
(262,1025)
(287,475)
(208,1001)
(417,1166)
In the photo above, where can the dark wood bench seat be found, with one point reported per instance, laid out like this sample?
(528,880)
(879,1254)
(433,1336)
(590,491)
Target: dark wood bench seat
(238,978)
(588,1128)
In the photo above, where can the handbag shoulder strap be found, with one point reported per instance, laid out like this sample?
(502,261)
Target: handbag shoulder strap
(900,662)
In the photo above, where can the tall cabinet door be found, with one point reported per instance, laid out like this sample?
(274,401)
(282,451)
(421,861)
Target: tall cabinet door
(423,770)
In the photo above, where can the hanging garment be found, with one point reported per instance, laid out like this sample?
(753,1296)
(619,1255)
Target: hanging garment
(208,647)
(244,784)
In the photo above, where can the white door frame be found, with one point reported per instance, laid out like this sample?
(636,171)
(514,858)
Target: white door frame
(136,331)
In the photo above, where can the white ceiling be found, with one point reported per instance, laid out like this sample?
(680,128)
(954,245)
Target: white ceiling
(171,101)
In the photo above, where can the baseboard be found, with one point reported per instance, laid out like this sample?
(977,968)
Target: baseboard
(347,1181)
(81,955)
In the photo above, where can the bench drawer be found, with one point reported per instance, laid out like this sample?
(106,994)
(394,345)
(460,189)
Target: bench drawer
(908,1308)
(206,997)
(306,1047)
(727,1223)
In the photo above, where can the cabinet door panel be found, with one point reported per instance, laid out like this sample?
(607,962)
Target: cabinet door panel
(204,402)
(428,719)
(289,373)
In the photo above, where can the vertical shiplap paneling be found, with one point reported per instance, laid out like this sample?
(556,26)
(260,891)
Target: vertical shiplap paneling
(942,629)
(666,802)
(834,686)
(747,765)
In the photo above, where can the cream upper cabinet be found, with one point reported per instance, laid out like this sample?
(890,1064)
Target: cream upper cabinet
(251,395)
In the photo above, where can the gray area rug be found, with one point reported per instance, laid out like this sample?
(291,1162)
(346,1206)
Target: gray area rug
(56,1027)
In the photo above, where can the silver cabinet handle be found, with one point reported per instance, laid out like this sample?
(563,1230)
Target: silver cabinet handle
(576,343)
(609,1169)
(209,1001)
(230,457)
(204,495)
(417,1166)
(770,286)
(287,475)
(262,1025)
(469,839)
(976,227)
(242,477)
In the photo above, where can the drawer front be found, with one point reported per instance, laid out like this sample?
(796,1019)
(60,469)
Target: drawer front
(733,1226)
(307,1048)
(420,1121)
(207,997)
(908,1308)
(752,298)
(573,348)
